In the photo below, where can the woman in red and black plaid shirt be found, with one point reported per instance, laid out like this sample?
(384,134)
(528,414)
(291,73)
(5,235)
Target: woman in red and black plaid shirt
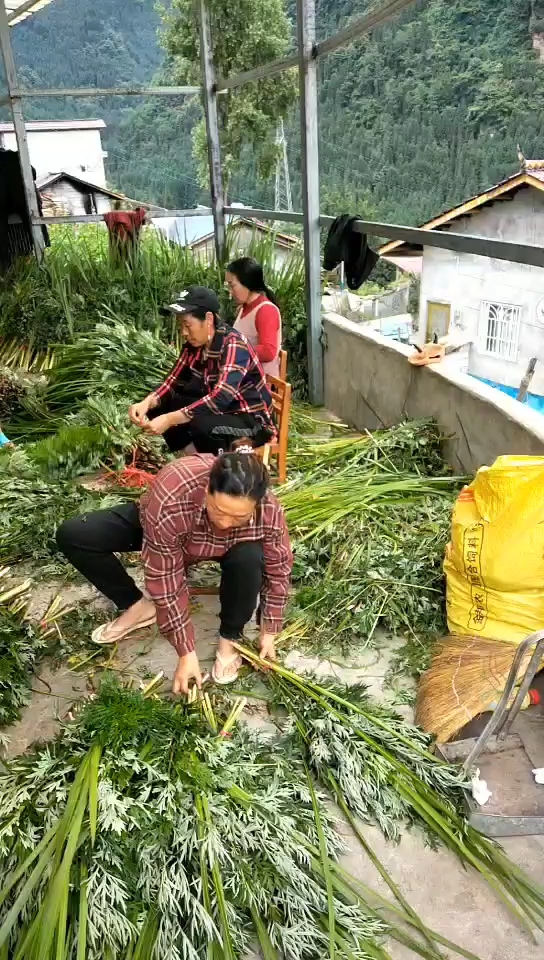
(198,508)
(216,392)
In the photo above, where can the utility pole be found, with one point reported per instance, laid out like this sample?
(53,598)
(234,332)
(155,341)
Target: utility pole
(283,195)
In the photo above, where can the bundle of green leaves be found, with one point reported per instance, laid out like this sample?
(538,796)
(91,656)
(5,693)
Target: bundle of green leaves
(166,831)
(142,832)
(115,358)
(370,517)
(383,572)
(413,446)
(21,646)
(382,770)
(31,508)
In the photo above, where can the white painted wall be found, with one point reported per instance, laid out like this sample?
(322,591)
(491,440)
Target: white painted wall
(62,199)
(464,281)
(78,152)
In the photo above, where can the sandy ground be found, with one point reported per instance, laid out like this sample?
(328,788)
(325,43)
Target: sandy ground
(449,899)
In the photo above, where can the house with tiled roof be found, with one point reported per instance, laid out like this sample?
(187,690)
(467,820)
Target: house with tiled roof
(494,307)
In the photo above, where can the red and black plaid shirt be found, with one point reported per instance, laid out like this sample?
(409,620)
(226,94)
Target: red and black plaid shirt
(232,378)
(178,533)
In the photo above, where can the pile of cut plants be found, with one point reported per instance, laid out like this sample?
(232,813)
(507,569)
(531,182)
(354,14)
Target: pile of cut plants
(161,830)
(154,829)
(370,518)
(368,514)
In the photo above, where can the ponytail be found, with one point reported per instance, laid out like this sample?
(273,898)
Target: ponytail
(270,295)
(240,474)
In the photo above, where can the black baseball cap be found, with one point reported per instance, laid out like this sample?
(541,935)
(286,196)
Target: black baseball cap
(194,298)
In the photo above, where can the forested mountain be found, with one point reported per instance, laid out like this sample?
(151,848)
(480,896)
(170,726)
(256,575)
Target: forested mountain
(424,113)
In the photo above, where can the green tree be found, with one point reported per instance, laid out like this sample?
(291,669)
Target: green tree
(245,34)
(537,16)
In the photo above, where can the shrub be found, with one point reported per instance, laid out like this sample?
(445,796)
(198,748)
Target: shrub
(78,286)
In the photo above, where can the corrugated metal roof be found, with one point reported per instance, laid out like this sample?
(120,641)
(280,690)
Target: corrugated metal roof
(188,231)
(18,10)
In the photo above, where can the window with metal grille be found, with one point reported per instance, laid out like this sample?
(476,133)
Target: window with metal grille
(499,329)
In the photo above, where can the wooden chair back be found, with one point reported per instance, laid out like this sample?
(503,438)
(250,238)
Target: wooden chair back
(283,365)
(281,402)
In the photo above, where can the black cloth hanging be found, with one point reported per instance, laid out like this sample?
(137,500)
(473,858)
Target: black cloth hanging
(15,225)
(346,244)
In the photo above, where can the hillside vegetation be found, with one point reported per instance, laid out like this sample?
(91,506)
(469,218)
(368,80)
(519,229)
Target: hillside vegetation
(425,112)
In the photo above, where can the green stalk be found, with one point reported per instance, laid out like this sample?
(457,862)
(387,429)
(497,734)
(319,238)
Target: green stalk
(352,885)
(211,953)
(61,929)
(146,940)
(26,892)
(94,763)
(83,915)
(59,884)
(325,863)
(23,867)
(379,866)
(228,949)
(265,943)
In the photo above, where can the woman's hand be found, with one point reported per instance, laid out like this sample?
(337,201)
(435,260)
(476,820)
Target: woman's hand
(138,412)
(268,645)
(188,669)
(158,425)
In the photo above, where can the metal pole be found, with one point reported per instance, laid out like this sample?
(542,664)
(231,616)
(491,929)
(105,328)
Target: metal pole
(357,28)
(85,92)
(310,192)
(20,132)
(21,10)
(363,25)
(257,73)
(212,129)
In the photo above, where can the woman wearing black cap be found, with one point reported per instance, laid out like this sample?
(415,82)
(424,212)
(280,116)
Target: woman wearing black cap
(216,392)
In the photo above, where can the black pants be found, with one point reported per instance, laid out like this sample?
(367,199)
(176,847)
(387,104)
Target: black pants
(208,432)
(91,541)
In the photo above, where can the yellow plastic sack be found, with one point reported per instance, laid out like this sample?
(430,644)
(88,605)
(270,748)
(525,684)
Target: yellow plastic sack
(495,562)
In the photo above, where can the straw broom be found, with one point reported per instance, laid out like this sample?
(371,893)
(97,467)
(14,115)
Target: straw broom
(467,674)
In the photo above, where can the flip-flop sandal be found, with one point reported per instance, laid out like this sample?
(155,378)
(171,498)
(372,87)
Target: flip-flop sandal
(226,662)
(97,636)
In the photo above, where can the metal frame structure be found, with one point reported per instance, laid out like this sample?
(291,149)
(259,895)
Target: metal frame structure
(305,59)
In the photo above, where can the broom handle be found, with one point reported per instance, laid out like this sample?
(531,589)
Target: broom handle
(532,668)
(501,716)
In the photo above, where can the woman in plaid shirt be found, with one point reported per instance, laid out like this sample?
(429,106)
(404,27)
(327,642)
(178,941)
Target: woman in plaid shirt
(197,508)
(216,391)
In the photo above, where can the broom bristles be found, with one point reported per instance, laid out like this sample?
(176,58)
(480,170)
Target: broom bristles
(466,676)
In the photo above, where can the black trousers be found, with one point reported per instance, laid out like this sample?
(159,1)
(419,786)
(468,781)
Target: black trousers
(91,541)
(208,432)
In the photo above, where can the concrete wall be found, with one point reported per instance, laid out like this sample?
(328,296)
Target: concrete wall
(369,383)
(78,152)
(389,304)
(464,281)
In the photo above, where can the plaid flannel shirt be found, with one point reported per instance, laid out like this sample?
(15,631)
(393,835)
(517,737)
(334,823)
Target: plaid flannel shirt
(232,376)
(178,533)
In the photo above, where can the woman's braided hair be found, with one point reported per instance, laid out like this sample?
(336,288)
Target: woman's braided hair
(240,473)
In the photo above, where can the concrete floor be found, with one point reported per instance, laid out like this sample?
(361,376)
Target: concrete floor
(448,898)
